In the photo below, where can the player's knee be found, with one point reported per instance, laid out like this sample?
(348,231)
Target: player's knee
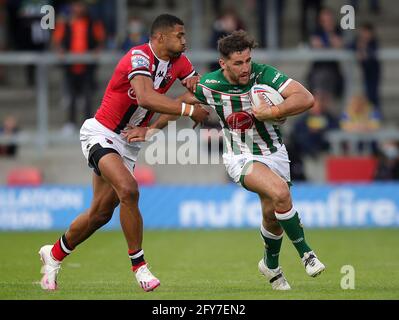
(128,194)
(282,196)
(270,219)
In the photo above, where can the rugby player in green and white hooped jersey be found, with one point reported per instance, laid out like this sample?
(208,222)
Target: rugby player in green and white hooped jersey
(260,162)
(256,158)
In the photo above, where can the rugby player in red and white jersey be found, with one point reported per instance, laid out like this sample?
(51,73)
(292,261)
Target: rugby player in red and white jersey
(134,94)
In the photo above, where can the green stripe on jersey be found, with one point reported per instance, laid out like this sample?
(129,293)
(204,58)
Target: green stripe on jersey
(278,132)
(264,134)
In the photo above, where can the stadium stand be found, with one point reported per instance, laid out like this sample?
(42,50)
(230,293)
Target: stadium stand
(20,100)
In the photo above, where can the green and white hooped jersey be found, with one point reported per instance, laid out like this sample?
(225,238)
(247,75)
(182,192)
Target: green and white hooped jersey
(262,138)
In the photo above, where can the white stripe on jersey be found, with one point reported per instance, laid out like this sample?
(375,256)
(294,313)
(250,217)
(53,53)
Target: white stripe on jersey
(209,97)
(227,110)
(160,73)
(281,89)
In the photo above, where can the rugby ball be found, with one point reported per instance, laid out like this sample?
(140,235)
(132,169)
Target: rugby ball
(240,120)
(268,94)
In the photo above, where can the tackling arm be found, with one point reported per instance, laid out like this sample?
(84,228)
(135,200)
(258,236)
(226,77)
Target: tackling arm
(148,98)
(140,134)
(163,120)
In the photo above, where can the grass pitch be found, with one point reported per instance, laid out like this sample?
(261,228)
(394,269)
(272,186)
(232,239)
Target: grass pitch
(203,265)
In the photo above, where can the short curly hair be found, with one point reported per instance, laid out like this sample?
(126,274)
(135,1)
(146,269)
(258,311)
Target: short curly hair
(237,41)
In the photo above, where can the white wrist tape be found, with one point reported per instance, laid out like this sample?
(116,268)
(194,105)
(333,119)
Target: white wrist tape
(183,108)
(191,111)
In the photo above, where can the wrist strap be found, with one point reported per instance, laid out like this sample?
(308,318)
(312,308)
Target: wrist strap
(183,108)
(191,111)
(275,112)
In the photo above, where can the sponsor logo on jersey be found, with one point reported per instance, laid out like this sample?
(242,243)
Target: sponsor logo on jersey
(139,61)
(278,75)
(240,120)
(109,141)
(252,75)
(212,81)
(141,52)
(235,91)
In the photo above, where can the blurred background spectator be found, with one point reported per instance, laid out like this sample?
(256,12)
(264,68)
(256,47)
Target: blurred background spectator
(105,11)
(24,30)
(374,6)
(79,33)
(226,23)
(9,129)
(360,116)
(326,75)
(310,10)
(137,34)
(170,4)
(309,131)
(366,47)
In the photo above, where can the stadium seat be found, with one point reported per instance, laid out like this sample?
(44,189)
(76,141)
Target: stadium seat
(350,169)
(144,175)
(24,176)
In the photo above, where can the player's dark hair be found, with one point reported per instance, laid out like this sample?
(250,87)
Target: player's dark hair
(237,41)
(164,21)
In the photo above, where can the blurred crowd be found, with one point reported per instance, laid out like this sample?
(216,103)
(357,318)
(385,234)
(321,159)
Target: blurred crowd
(91,26)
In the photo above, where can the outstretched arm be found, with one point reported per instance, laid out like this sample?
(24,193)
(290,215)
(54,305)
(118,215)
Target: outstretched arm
(163,119)
(297,99)
(140,134)
(150,99)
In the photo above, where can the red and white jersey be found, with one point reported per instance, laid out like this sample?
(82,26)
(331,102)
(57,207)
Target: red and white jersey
(119,105)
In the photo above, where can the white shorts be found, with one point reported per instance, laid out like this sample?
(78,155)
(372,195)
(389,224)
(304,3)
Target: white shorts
(278,162)
(95,136)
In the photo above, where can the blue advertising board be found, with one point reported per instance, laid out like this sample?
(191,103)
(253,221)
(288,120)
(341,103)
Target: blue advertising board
(212,206)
